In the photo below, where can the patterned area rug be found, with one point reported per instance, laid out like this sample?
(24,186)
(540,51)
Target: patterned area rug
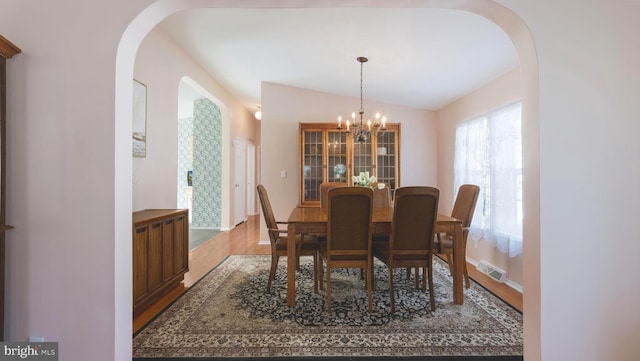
(228,314)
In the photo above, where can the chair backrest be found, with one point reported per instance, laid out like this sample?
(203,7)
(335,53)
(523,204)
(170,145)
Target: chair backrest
(381,197)
(415,212)
(349,215)
(324,191)
(269,218)
(465,204)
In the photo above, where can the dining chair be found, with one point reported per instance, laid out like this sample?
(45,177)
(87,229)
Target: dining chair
(306,245)
(382,197)
(463,209)
(410,244)
(349,226)
(324,189)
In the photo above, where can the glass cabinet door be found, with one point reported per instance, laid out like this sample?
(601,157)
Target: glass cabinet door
(337,170)
(312,149)
(363,157)
(386,161)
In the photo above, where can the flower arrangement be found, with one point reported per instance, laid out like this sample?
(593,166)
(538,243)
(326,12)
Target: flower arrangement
(364,180)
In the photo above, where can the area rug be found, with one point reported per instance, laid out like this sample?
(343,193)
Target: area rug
(229,315)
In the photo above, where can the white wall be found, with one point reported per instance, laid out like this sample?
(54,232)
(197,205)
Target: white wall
(503,91)
(69,170)
(588,54)
(60,265)
(161,64)
(283,108)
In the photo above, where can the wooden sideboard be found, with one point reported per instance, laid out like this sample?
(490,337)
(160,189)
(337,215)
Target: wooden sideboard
(160,254)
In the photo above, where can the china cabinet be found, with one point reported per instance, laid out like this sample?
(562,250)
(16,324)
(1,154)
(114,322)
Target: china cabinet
(329,155)
(7,50)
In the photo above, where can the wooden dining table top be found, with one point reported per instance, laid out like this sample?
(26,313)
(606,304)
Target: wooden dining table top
(380,215)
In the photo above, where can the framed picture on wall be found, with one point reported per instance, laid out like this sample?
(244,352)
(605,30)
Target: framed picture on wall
(139,119)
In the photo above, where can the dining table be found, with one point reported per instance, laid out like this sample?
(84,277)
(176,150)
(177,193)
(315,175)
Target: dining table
(314,220)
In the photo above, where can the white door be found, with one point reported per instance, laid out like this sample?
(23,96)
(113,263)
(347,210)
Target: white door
(251,178)
(240,181)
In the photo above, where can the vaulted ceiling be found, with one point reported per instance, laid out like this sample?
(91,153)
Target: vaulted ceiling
(421,58)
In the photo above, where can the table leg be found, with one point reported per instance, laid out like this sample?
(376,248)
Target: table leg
(291,265)
(459,258)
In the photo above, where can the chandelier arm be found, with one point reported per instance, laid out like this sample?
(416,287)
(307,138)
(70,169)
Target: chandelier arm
(362,131)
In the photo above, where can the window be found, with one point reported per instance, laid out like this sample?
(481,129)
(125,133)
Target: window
(488,152)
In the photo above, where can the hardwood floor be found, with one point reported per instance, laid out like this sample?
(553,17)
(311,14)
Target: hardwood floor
(244,240)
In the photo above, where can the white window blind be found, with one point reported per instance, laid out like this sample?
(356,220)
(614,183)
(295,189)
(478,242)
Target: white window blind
(488,153)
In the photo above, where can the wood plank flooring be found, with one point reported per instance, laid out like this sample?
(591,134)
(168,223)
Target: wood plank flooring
(243,239)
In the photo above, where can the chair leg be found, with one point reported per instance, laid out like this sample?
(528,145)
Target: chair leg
(328,288)
(424,279)
(467,282)
(315,272)
(466,276)
(408,272)
(432,297)
(298,252)
(320,273)
(450,262)
(370,288)
(391,296)
(272,272)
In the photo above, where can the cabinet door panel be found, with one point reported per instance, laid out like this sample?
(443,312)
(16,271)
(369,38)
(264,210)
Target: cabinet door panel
(337,157)
(363,158)
(140,262)
(168,249)
(386,159)
(313,163)
(181,245)
(155,255)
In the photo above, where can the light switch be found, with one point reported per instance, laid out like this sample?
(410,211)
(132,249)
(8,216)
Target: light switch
(283,174)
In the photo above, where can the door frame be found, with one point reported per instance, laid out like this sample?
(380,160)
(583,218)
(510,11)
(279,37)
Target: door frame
(239,180)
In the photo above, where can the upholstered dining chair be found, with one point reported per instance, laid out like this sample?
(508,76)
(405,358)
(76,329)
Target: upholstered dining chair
(463,209)
(324,203)
(324,189)
(381,197)
(306,245)
(348,245)
(410,244)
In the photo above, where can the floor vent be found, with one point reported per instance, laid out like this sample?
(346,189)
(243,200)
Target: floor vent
(493,271)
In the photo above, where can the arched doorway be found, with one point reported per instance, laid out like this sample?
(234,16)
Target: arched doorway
(199,168)
(511,24)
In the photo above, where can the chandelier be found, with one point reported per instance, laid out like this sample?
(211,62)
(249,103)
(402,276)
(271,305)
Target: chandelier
(358,129)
